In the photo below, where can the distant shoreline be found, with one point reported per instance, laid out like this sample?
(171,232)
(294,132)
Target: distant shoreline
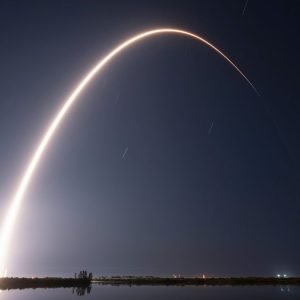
(47,282)
(51,282)
(149,280)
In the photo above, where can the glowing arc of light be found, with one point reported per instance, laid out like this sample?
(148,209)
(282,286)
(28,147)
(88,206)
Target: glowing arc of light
(16,202)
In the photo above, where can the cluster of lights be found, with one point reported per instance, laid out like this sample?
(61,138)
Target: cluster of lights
(281,276)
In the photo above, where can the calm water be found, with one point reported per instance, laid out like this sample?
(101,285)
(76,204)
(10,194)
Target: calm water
(160,293)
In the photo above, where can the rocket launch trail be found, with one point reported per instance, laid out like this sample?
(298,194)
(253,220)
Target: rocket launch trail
(16,201)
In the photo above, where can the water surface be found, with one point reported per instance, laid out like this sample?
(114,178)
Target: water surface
(109,292)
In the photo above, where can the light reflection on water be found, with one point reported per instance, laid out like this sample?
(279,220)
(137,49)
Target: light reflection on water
(108,292)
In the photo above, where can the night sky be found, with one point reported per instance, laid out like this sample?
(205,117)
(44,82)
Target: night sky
(169,163)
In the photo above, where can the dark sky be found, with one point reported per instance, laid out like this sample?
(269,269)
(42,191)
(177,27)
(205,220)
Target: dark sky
(209,182)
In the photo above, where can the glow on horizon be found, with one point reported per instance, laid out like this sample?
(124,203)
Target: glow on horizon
(11,215)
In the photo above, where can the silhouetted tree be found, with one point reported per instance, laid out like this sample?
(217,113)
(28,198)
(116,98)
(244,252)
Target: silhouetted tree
(85,275)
